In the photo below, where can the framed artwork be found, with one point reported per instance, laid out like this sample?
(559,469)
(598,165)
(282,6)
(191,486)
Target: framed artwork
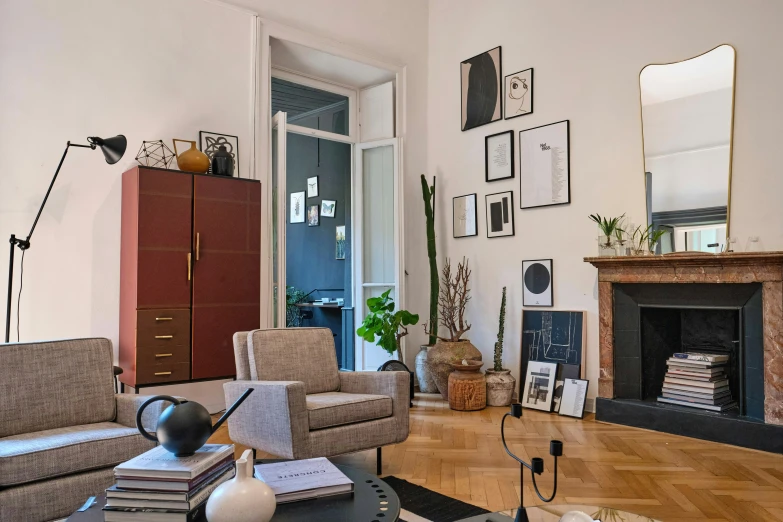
(518,100)
(564,371)
(312,187)
(499,156)
(340,236)
(480,82)
(544,166)
(537,282)
(328,207)
(574,396)
(539,386)
(312,216)
(500,214)
(210,143)
(465,216)
(297,208)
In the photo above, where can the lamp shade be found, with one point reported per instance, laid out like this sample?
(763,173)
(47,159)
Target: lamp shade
(113,148)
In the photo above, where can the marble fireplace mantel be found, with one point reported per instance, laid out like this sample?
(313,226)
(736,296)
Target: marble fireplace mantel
(756,267)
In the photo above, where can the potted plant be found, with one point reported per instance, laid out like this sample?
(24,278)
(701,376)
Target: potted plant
(654,237)
(386,324)
(426,381)
(293,313)
(500,383)
(608,226)
(452,300)
(645,239)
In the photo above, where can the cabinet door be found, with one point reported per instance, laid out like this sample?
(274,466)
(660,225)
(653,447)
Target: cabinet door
(226,270)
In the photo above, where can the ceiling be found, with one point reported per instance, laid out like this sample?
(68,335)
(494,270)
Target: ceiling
(709,72)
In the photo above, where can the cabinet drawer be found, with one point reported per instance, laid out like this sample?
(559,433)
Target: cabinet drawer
(162,373)
(152,355)
(163,328)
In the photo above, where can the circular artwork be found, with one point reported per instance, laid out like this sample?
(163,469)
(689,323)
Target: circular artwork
(537,278)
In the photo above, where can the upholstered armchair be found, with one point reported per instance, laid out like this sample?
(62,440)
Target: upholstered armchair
(303,406)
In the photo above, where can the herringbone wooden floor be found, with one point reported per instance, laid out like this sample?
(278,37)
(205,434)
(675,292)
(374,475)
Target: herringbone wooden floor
(663,476)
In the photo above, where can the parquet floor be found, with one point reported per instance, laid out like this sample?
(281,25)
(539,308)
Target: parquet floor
(663,476)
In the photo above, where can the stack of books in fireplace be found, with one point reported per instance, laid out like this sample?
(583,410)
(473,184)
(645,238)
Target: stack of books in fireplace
(697,380)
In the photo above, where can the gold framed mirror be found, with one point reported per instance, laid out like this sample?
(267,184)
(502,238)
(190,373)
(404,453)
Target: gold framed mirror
(687,136)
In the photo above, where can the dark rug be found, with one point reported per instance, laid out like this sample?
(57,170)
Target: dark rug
(429,504)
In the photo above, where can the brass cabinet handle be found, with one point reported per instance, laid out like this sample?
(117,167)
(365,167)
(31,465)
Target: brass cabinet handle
(198,248)
(162,373)
(188,266)
(163,355)
(164,318)
(164,337)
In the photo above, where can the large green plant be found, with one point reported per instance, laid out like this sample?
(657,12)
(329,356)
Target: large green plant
(431,328)
(386,324)
(293,314)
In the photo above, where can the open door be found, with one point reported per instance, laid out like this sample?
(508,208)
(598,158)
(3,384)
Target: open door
(279,217)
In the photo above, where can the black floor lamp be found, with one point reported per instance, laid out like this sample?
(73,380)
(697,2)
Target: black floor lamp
(113,149)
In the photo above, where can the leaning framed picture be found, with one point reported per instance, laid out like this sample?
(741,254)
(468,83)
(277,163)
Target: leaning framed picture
(500,214)
(544,166)
(465,218)
(210,143)
(297,207)
(499,156)
(481,87)
(537,282)
(539,386)
(518,99)
(572,404)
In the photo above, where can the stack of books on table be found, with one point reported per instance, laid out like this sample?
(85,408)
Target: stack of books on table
(303,479)
(697,380)
(157,486)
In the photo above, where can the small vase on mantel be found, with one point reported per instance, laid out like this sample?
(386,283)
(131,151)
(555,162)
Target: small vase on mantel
(606,247)
(500,387)
(423,374)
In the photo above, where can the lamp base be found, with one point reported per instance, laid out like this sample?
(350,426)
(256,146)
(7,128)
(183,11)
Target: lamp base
(521,515)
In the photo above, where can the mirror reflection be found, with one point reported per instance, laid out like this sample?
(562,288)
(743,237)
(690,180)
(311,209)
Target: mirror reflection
(687,119)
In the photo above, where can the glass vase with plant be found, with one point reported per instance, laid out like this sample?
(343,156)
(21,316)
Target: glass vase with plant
(386,324)
(654,237)
(608,227)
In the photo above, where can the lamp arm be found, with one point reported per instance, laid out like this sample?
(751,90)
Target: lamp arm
(535,486)
(534,469)
(505,446)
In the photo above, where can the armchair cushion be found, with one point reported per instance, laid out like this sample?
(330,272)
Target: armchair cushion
(61,451)
(325,410)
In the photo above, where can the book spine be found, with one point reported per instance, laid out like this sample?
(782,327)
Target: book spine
(207,465)
(204,494)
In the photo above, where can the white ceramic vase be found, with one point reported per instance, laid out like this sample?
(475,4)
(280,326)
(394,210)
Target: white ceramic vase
(243,498)
(574,516)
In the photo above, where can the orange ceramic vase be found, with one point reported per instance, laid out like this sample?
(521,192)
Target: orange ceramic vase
(191,160)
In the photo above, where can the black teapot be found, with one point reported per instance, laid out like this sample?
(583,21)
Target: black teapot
(184,426)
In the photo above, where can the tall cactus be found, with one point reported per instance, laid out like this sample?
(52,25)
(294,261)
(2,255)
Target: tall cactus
(429,211)
(501,331)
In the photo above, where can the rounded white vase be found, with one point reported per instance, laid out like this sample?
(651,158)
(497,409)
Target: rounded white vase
(243,498)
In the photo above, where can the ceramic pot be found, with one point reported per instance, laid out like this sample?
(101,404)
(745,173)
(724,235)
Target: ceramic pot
(467,387)
(243,498)
(441,357)
(222,162)
(423,374)
(500,387)
(191,160)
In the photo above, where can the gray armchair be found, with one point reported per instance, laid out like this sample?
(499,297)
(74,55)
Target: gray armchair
(303,406)
(62,428)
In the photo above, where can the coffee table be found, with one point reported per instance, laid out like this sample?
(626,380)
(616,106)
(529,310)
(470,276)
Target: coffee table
(372,501)
(547,513)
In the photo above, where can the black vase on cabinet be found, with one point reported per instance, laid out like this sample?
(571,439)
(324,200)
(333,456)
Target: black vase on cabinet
(222,162)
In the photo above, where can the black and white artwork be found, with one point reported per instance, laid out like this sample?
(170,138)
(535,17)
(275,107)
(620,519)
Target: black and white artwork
(574,396)
(537,282)
(465,216)
(544,166)
(328,207)
(564,371)
(500,214)
(312,216)
(297,207)
(480,79)
(518,99)
(210,143)
(539,386)
(499,156)
(312,187)
(340,237)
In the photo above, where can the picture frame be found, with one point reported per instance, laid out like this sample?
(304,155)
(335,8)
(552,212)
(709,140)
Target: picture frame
(518,94)
(481,89)
(296,210)
(499,156)
(312,187)
(500,214)
(340,242)
(564,371)
(464,216)
(313,217)
(537,283)
(539,386)
(210,142)
(574,397)
(545,165)
(328,208)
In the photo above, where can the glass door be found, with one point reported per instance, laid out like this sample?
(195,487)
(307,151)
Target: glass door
(279,219)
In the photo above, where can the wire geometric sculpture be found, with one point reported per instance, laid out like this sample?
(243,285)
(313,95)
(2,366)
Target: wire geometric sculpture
(154,154)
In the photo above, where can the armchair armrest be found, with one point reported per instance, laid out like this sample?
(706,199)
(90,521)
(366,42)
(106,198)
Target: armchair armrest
(273,418)
(128,405)
(393,384)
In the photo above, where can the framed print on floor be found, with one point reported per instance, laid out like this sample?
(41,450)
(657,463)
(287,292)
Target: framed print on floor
(539,386)
(572,403)
(480,83)
(544,166)
(537,283)
(465,218)
(500,214)
(518,99)
(499,156)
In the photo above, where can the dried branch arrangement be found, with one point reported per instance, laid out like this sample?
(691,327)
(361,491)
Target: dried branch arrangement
(453,298)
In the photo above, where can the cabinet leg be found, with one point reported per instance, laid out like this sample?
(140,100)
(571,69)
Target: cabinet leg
(379,462)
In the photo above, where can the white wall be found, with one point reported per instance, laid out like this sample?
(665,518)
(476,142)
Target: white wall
(587,58)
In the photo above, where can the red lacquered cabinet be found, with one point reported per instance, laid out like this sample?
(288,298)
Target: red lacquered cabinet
(190,274)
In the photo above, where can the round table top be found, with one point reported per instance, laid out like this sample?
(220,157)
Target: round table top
(552,513)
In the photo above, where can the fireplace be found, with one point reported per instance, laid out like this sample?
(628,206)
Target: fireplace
(731,304)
